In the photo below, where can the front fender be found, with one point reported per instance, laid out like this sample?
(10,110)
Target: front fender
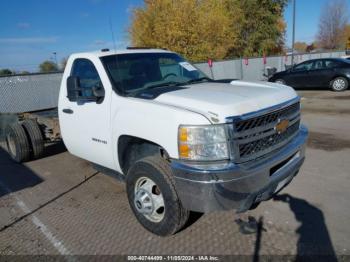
(150,121)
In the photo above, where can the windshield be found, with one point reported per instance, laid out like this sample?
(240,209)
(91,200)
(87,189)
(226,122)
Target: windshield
(131,73)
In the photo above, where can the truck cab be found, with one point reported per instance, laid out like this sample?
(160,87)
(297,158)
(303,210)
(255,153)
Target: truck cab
(181,141)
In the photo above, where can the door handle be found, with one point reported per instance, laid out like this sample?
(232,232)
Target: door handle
(68,111)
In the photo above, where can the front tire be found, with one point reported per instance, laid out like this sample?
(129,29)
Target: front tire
(153,198)
(339,84)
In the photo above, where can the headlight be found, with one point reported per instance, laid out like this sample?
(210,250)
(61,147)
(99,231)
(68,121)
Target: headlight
(203,143)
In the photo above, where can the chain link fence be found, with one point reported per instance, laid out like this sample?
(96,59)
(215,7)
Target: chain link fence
(253,69)
(25,93)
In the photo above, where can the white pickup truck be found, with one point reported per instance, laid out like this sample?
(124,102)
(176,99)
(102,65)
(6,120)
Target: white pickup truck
(181,141)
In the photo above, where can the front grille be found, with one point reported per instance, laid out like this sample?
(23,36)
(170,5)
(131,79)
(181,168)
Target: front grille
(254,137)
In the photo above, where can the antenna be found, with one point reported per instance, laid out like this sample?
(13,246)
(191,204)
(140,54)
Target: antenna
(116,55)
(113,39)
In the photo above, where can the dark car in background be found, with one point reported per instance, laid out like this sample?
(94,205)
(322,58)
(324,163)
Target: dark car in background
(331,73)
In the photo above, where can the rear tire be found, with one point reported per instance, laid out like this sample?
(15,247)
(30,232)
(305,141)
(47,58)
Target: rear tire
(35,137)
(339,84)
(17,143)
(143,200)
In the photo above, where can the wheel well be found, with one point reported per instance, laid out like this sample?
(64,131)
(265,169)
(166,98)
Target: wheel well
(132,149)
(343,76)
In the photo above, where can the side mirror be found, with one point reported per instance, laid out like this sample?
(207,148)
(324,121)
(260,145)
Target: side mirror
(98,91)
(73,88)
(75,93)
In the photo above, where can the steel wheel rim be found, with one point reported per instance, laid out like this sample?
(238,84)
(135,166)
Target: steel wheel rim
(148,199)
(11,145)
(339,84)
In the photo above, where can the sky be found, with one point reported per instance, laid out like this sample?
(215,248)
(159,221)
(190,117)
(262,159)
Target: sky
(32,30)
(306,19)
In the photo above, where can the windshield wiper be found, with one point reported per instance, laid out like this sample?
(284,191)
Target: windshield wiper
(198,80)
(172,83)
(140,90)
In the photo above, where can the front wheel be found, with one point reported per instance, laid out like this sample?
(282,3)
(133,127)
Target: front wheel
(339,84)
(153,198)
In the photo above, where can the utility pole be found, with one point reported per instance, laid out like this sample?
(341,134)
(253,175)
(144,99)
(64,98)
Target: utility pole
(55,56)
(293,37)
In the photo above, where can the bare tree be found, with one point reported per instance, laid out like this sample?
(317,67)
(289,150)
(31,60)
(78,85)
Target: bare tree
(334,17)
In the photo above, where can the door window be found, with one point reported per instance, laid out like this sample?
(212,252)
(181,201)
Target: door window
(305,66)
(88,76)
(319,64)
(332,64)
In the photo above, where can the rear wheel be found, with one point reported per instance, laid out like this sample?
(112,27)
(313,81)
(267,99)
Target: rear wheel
(153,197)
(339,84)
(17,143)
(35,137)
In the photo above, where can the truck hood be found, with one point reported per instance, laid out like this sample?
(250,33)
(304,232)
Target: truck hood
(217,101)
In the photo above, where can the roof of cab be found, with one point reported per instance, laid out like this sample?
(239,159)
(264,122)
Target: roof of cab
(101,53)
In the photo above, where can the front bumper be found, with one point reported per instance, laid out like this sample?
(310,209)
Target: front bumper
(238,186)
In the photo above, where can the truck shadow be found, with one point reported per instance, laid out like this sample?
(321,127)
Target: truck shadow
(54,149)
(15,177)
(193,218)
(314,239)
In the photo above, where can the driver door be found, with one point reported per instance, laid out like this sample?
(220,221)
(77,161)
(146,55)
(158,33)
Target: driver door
(85,123)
